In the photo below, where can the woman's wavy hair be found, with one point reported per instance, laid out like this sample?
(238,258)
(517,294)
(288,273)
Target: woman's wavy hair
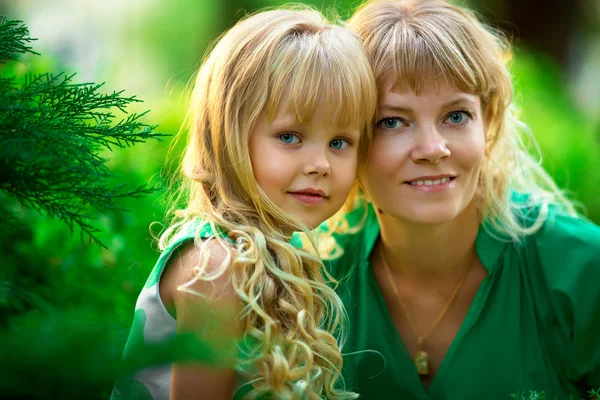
(417,43)
(291,315)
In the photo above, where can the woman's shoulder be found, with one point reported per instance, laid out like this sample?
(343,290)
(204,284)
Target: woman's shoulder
(564,242)
(560,255)
(568,244)
(568,249)
(560,266)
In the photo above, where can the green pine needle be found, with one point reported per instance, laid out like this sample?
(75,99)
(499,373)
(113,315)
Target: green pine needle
(14,37)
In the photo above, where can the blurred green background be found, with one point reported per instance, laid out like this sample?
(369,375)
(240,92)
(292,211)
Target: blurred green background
(66,305)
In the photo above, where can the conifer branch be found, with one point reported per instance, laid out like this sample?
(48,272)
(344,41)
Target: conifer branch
(14,37)
(52,132)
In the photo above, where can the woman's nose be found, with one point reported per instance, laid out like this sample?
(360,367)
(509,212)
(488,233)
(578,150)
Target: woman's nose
(430,147)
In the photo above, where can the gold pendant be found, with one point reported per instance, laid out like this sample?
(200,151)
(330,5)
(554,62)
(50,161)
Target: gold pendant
(422,362)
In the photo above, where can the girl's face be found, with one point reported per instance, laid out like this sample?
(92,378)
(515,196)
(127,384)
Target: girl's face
(307,169)
(426,155)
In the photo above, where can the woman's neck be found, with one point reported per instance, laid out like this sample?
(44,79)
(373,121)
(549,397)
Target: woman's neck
(427,253)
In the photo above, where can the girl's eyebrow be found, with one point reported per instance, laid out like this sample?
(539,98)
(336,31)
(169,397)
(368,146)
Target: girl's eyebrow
(285,122)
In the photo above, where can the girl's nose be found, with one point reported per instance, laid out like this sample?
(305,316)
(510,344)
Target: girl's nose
(317,164)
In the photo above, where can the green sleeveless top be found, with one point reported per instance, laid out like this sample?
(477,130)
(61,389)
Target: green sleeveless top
(153,334)
(534,323)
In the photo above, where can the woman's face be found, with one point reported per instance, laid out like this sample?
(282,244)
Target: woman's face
(426,155)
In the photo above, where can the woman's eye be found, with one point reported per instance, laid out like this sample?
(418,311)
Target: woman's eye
(339,144)
(457,117)
(389,123)
(289,138)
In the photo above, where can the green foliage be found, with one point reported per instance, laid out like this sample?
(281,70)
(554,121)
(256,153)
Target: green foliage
(69,354)
(568,140)
(533,395)
(62,312)
(52,134)
(52,131)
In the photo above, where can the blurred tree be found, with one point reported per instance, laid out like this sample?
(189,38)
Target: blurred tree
(53,134)
(550,28)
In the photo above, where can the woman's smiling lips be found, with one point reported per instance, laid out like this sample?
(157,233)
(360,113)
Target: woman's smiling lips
(309,196)
(432,183)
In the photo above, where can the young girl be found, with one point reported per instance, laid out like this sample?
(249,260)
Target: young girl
(280,111)
(471,276)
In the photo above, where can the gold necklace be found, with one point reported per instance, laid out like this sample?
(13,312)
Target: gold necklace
(421,359)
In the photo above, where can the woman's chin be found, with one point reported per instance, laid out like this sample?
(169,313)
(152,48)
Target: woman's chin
(421,214)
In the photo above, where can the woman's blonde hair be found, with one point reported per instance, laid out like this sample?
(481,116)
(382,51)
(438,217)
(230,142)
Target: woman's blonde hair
(291,315)
(417,43)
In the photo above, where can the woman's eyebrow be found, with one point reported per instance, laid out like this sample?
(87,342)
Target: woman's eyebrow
(451,103)
(394,108)
(460,100)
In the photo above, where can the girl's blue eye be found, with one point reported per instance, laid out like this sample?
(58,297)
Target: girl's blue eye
(457,117)
(289,138)
(339,144)
(389,123)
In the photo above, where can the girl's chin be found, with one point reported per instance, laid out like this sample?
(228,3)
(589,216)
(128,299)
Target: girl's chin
(310,223)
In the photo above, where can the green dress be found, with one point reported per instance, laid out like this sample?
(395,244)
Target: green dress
(152,342)
(534,323)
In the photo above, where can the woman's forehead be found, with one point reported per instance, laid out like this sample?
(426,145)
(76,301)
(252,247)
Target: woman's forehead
(433,86)
(443,95)
(429,81)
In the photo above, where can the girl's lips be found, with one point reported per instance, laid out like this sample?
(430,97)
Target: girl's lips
(308,198)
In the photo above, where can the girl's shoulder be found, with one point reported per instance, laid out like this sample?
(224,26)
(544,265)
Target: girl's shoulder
(197,288)
(187,232)
(197,269)
(192,264)
(172,303)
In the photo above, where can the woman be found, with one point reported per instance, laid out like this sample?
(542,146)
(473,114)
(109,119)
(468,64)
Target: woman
(466,274)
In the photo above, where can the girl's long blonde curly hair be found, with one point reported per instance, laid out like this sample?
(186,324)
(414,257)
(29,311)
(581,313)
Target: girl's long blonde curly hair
(291,315)
(422,42)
